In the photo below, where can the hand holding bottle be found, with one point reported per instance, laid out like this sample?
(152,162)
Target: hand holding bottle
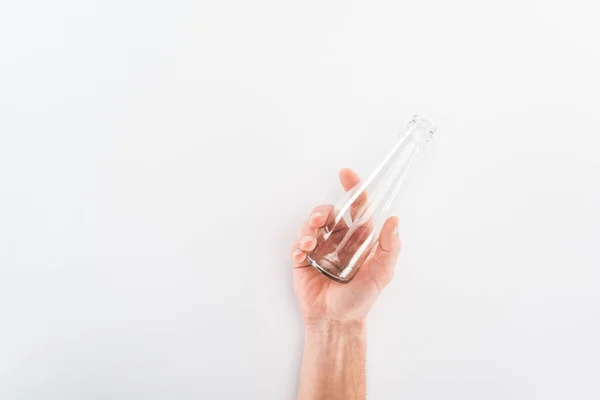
(322,299)
(353,248)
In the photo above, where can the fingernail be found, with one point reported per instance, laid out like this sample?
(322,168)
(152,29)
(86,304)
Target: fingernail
(396,232)
(296,253)
(305,240)
(314,216)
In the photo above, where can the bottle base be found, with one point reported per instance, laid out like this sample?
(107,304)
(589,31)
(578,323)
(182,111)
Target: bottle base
(325,272)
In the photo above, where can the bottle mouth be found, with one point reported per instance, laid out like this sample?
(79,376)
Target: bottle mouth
(423,124)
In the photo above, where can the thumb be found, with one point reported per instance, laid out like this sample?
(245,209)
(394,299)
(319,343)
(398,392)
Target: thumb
(386,253)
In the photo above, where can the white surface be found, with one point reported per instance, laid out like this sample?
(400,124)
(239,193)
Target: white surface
(157,158)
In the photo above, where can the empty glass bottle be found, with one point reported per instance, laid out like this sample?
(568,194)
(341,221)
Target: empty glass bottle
(353,227)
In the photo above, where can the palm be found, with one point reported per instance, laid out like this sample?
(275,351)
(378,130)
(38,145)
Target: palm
(321,298)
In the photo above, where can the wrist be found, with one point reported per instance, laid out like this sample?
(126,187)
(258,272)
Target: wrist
(326,327)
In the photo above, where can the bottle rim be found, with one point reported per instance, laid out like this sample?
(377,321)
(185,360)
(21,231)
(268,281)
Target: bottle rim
(424,124)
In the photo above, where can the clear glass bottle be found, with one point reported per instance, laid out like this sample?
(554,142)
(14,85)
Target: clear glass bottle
(352,229)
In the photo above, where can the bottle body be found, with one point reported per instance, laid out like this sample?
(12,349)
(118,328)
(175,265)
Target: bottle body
(352,228)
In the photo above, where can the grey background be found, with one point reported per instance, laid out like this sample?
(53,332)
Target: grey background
(156,159)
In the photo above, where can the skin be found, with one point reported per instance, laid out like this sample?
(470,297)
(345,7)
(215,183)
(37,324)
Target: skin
(333,360)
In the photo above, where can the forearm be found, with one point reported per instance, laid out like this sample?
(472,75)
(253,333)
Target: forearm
(333,361)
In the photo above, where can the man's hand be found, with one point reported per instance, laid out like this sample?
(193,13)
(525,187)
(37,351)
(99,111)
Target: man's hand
(333,362)
(322,299)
